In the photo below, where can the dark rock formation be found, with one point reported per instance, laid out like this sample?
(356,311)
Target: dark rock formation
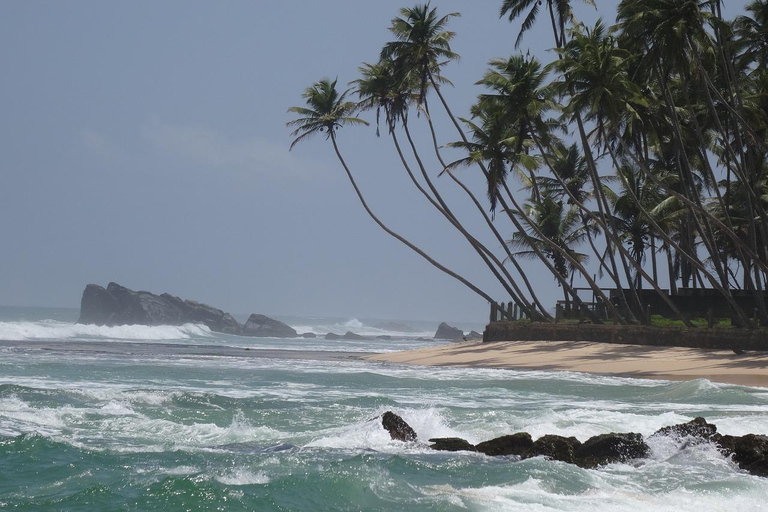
(556,447)
(516,444)
(446,332)
(451,444)
(332,336)
(118,305)
(609,448)
(697,427)
(263,326)
(398,429)
(474,335)
(309,335)
(750,452)
(383,337)
(394,326)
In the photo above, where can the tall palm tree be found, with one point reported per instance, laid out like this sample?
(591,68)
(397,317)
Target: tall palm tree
(386,87)
(328,110)
(422,43)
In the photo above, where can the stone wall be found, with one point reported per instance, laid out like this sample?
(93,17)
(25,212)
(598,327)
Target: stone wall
(739,339)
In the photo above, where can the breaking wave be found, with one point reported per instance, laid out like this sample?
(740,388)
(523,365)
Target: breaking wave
(55,330)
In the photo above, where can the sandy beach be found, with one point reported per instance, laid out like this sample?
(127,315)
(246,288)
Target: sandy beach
(749,369)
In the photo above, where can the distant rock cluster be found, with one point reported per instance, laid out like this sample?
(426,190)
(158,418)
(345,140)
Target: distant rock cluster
(750,451)
(118,305)
(447,332)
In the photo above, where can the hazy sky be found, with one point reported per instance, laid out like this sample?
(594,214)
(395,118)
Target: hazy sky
(145,143)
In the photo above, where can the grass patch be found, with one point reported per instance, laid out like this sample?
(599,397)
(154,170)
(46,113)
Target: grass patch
(661,321)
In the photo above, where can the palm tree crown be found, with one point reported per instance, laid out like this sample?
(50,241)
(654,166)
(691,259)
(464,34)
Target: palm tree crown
(422,43)
(326,111)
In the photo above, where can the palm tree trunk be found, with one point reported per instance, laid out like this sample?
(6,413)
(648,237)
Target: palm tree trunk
(476,245)
(488,221)
(400,238)
(516,223)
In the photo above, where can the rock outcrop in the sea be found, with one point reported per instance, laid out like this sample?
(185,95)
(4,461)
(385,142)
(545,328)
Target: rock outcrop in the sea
(398,429)
(118,305)
(265,327)
(750,451)
(474,335)
(446,332)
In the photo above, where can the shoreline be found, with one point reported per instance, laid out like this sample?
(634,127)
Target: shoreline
(610,359)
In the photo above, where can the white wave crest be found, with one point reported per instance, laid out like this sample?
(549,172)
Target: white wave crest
(55,330)
(240,476)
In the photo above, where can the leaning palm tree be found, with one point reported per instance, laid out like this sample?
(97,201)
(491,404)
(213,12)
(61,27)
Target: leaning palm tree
(328,110)
(388,88)
(422,43)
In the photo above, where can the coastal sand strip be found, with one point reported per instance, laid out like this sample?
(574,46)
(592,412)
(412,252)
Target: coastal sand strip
(667,363)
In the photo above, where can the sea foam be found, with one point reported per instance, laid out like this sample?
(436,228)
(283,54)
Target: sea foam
(55,330)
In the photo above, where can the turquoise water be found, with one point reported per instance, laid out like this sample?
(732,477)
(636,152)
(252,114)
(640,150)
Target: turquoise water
(138,429)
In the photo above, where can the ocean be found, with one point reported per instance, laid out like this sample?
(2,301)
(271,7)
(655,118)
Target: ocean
(140,418)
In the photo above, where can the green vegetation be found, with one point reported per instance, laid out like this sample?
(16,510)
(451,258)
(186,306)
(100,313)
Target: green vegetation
(640,151)
(660,321)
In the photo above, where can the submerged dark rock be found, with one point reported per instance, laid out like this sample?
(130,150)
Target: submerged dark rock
(118,305)
(610,448)
(451,444)
(556,447)
(697,427)
(332,336)
(308,335)
(446,332)
(398,429)
(349,335)
(516,444)
(265,327)
(750,452)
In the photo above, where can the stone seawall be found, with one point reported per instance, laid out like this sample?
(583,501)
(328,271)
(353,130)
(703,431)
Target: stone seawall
(736,339)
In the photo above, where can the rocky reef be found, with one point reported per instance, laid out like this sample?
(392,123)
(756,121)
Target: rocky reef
(749,452)
(118,305)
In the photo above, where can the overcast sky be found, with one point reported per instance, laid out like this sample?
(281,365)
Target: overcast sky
(145,143)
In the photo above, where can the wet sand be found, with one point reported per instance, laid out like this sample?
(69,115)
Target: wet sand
(665,363)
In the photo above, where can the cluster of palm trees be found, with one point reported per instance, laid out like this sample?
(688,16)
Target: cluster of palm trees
(640,154)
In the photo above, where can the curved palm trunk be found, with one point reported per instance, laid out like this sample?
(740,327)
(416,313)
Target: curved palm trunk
(563,282)
(482,251)
(400,238)
(485,216)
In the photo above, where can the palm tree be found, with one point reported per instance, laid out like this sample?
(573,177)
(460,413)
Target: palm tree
(560,14)
(752,34)
(572,175)
(561,226)
(384,86)
(422,43)
(327,110)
